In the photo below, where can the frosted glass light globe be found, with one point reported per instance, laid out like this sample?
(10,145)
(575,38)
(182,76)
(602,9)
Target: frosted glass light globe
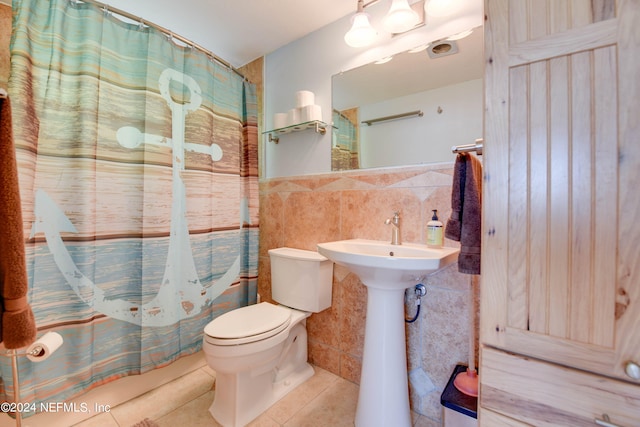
(361,32)
(400,17)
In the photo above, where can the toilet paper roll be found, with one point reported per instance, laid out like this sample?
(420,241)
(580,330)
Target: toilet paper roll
(304,97)
(293,117)
(310,113)
(42,348)
(280,120)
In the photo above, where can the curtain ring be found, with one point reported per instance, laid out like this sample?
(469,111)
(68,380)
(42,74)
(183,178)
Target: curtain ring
(105,10)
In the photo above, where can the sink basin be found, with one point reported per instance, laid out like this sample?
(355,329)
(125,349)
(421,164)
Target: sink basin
(386,270)
(379,263)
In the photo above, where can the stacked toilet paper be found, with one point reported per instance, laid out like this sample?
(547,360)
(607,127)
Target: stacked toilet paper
(304,111)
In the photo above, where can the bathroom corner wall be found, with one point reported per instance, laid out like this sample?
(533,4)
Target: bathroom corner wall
(302,211)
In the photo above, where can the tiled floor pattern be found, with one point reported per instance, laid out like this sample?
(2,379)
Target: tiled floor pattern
(323,400)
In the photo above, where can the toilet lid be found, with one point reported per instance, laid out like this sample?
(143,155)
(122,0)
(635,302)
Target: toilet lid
(248,324)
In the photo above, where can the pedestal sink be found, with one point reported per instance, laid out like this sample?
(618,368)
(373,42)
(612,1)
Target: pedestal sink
(386,270)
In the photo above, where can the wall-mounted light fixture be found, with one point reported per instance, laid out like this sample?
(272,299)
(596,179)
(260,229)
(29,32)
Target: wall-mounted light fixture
(400,18)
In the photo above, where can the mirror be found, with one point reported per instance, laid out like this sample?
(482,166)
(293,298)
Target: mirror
(411,109)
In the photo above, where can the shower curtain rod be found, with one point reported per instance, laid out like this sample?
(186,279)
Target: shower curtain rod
(340,114)
(170,33)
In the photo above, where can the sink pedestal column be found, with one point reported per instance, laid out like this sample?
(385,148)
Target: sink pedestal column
(386,270)
(384,390)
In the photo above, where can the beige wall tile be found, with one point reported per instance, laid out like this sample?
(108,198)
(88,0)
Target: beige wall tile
(353,300)
(311,218)
(350,367)
(271,222)
(364,213)
(324,356)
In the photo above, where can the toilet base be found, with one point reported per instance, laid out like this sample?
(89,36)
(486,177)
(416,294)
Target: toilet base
(242,396)
(256,402)
(283,387)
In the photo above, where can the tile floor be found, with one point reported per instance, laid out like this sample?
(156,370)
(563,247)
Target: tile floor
(324,400)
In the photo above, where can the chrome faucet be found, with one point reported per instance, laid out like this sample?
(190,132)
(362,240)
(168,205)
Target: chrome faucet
(395,232)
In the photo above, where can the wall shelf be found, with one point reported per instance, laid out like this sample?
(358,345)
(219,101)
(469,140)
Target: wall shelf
(316,125)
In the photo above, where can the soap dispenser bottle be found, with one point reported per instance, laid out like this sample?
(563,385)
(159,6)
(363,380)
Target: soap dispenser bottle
(435,231)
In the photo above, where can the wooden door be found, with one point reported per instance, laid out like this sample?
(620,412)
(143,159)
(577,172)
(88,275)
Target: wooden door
(561,202)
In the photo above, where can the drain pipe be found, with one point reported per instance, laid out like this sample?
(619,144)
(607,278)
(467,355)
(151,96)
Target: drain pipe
(420,291)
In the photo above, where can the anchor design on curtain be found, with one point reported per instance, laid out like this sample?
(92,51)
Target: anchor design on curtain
(180,281)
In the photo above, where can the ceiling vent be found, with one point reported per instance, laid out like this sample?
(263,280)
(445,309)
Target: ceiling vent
(442,48)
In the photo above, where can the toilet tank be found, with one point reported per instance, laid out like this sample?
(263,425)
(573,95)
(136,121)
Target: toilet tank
(301,279)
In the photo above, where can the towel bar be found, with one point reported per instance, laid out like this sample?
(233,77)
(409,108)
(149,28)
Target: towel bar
(469,148)
(417,113)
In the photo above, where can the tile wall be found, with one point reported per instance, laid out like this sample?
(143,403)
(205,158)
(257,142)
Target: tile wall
(302,211)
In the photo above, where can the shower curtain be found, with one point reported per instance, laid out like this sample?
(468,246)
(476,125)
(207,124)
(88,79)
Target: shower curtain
(137,162)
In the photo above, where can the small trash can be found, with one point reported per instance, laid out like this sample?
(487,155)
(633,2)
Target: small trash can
(458,409)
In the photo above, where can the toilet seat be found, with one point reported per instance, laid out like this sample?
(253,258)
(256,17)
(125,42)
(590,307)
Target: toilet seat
(248,324)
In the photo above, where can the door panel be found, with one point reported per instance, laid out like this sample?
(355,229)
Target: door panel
(561,193)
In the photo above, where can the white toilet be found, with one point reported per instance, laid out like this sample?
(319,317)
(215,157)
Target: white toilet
(259,352)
